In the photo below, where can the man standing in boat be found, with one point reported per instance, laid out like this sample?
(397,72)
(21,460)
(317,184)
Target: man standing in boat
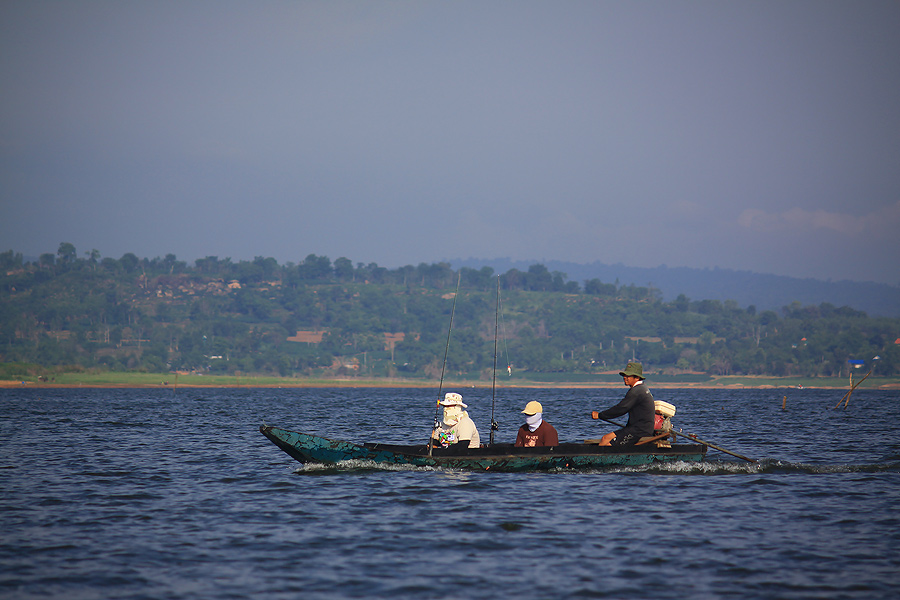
(536,431)
(457,426)
(637,403)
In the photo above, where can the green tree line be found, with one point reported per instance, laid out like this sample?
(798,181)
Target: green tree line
(219,316)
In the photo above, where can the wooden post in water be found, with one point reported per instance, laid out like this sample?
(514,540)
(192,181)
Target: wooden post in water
(846,398)
(784,403)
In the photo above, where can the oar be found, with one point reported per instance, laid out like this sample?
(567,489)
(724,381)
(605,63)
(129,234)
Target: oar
(596,415)
(691,436)
(687,435)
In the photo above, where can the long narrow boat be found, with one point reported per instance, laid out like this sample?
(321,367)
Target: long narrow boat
(497,457)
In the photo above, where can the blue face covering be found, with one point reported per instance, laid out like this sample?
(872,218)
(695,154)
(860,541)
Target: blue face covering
(533,421)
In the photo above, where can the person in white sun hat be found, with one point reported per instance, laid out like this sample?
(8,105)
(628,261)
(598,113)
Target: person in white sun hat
(456,426)
(536,431)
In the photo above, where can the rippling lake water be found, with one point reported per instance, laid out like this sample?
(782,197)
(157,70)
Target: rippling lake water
(175,494)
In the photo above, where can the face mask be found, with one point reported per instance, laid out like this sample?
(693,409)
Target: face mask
(452,415)
(533,421)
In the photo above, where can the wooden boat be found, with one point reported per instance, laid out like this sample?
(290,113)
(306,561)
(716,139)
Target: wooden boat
(497,457)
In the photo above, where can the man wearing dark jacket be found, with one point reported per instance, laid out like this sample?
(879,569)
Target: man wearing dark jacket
(638,403)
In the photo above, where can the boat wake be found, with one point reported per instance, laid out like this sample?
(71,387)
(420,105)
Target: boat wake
(777,466)
(706,467)
(356,466)
(765,466)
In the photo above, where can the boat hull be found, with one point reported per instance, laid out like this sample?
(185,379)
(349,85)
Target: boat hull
(308,448)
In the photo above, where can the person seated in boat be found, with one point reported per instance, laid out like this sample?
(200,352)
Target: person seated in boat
(457,427)
(536,431)
(637,403)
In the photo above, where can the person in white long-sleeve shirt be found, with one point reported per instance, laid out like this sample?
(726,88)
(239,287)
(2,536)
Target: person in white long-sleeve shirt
(456,426)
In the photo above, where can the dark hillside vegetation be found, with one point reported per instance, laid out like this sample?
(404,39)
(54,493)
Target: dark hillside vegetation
(764,291)
(318,317)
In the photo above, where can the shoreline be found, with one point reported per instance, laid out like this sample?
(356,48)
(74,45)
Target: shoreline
(721,384)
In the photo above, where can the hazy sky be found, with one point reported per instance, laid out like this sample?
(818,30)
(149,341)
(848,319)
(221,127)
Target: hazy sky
(751,135)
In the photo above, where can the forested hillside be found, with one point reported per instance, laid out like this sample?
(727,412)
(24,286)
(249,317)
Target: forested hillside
(324,317)
(765,291)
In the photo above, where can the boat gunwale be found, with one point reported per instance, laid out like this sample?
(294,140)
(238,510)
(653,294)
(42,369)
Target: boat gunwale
(508,449)
(416,454)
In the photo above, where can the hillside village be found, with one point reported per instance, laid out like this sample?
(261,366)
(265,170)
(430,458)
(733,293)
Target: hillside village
(319,317)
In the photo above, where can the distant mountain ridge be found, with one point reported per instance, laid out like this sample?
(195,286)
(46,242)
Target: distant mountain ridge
(764,291)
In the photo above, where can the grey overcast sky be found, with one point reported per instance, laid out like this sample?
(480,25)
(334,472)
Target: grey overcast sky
(753,135)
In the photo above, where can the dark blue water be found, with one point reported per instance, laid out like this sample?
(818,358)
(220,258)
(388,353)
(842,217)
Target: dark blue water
(160,494)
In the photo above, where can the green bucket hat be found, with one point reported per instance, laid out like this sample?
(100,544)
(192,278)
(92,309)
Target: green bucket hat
(633,369)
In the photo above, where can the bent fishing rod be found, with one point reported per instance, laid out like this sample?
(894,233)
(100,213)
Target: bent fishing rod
(444,366)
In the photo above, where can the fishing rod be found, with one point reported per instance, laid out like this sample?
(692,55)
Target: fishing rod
(494,425)
(690,436)
(444,366)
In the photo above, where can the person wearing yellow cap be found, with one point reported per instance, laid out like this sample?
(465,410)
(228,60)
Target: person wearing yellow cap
(456,426)
(637,403)
(536,431)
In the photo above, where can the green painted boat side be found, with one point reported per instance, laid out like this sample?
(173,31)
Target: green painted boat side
(308,448)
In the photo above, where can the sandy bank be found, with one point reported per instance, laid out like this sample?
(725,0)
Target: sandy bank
(340,383)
